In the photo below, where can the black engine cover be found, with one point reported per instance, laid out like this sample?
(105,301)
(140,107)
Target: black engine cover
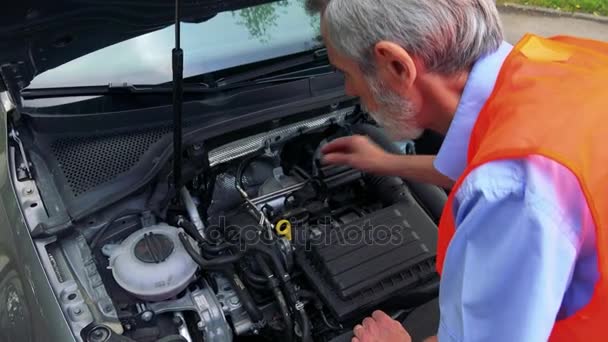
(359,265)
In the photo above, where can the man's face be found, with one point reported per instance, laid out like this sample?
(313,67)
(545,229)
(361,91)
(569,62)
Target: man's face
(393,111)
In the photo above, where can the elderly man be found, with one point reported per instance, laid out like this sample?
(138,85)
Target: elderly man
(523,245)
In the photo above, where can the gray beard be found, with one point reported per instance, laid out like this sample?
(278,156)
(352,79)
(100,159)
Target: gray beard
(395,114)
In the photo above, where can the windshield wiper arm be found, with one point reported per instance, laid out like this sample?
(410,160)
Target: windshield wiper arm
(248,78)
(314,56)
(130,89)
(110,89)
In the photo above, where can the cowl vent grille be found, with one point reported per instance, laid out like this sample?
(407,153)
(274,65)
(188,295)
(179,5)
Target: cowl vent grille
(87,162)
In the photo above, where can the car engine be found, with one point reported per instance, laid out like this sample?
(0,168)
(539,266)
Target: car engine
(263,241)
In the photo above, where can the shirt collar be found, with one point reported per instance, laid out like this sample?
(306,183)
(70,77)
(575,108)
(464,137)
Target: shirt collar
(452,157)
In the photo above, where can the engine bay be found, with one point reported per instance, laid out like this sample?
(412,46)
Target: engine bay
(263,241)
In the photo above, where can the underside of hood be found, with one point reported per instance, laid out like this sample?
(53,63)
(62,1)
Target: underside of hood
(37,35)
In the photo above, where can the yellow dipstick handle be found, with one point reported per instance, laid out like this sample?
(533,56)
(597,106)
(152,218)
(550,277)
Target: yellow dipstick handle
(284,229)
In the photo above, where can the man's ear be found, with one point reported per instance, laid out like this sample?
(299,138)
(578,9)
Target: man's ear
(395,65)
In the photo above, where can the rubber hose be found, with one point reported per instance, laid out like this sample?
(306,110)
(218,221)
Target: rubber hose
(290,290)
(207,255)
(255,278)
(242,167)
(102,231)
(304,326)
(274,259)
(414,298)
(216,263)
(432,197)
(208,251)
(257,286)
(284,276)
(249,305)
(191,229)
(274,284)
(215,249)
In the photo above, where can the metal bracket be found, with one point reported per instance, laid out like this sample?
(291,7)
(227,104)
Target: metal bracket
(215,328)
(29,197)
(25,166)
(264,222)
(299,306)
(147,219)
(231,304)
(7,102)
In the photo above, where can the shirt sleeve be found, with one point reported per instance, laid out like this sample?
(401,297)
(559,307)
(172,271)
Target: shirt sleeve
(511,260)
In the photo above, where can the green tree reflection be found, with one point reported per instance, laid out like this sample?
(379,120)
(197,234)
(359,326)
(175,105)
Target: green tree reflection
(259,20)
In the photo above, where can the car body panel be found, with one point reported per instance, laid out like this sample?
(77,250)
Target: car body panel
(29,309)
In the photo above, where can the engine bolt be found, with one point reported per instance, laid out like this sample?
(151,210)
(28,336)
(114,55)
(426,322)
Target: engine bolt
(200,326)
(234,301)
(147,316)
(28,191)
(99,334)
(77,311)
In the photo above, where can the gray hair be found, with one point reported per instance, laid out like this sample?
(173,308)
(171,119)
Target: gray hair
(447,35)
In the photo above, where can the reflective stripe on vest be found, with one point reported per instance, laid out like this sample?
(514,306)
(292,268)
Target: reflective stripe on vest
(551,99)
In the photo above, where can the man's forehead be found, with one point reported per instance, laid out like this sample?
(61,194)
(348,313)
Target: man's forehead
(331,53)
(334,57)
(323,27)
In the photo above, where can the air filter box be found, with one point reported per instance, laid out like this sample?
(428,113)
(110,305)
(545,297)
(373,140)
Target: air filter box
(361,264)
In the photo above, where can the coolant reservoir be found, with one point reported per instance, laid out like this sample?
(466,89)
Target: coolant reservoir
(152,263)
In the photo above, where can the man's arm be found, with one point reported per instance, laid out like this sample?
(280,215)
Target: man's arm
(509,264)
(361,153)
(417,168)
(521,226)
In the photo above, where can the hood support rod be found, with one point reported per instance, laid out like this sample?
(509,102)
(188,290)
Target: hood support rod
(178,79)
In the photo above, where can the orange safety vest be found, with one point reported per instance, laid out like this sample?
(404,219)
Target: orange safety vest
(551,99)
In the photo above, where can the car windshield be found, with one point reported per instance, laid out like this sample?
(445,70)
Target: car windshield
(227,40)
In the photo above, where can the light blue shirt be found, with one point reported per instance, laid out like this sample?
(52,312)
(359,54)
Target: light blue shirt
(523,255)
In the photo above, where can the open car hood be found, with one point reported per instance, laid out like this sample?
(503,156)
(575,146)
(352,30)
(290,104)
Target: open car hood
(37,35)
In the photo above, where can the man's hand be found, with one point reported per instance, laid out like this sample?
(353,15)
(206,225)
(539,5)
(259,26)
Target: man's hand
(361,153)
(380,328)
(357,152)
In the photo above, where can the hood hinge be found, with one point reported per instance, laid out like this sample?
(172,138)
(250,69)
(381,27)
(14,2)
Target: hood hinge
(9,106)
(24,169)
(9,98)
